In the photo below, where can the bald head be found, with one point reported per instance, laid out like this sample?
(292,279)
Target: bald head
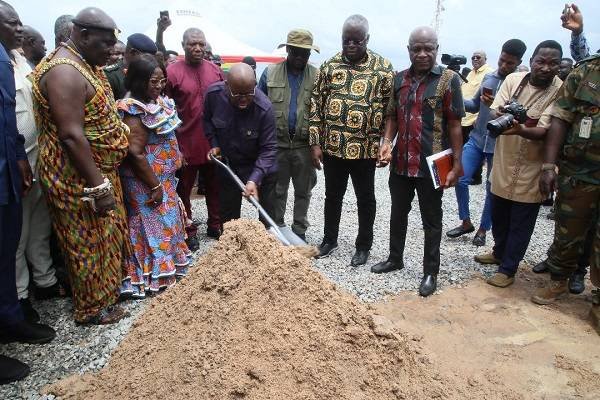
(95,17)
(34,45)
(422,50)
(242,85)
(11,30)
(423,34)
(241,74)
(94,34)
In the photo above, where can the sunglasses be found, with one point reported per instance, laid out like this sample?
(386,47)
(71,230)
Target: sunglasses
(475,57)
(349,42)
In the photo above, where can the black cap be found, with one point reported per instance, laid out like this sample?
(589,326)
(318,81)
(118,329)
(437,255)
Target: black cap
(143,43)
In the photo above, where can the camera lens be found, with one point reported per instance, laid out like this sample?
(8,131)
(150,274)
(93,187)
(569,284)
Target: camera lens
(500,124)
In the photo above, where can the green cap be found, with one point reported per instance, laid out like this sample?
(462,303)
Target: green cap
(300,38)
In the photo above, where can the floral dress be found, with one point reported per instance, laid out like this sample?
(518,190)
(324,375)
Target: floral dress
(157,234)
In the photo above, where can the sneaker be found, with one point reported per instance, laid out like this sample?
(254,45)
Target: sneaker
(487,258)
(28,311)
(554,290)
(501,280)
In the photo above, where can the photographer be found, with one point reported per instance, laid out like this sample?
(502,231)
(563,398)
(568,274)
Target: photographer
(518,158)
(469,88)
(480,146)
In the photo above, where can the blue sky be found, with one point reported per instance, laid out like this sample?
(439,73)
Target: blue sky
(467,25)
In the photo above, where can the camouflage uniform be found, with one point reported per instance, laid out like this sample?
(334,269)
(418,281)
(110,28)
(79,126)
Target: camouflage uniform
(579,173)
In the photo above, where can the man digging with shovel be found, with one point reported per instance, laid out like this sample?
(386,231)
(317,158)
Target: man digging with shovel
(240,125)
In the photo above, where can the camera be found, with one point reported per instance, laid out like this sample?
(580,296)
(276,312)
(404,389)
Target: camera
(453,61)
(512,111)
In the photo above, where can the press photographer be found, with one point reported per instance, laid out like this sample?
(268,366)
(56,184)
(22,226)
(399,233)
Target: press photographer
(518,158)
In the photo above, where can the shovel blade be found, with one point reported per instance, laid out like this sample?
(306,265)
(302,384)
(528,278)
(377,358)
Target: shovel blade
(288,235)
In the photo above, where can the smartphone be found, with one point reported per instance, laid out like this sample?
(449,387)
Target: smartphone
(164,14)
(487,91)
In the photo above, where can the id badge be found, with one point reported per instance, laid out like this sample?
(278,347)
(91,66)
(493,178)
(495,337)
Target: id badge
(585,128)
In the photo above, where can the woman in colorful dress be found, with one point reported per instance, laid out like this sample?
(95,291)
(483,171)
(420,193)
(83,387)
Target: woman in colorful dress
(155,221)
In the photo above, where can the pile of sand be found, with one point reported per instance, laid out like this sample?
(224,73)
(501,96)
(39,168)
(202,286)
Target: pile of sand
(253,320)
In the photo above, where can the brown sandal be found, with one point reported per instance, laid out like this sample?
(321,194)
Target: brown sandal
(108,315)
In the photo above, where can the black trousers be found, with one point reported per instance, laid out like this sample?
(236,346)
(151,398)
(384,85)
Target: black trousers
(402,190)
(512,226)
(230,196)
(337,170)
(11,219)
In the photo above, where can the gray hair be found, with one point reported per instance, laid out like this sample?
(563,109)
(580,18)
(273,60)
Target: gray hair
(191,31)
(63,26)
(358,21)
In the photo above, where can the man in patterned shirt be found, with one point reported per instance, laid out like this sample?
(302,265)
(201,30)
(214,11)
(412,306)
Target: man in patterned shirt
(350,95)
(425,116)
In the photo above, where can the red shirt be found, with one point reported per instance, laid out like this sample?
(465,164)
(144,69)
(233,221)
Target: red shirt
(187,84)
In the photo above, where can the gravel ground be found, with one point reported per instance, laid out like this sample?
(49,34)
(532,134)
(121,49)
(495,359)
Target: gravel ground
(77,349)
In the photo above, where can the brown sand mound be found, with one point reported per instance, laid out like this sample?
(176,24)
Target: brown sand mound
(253,320)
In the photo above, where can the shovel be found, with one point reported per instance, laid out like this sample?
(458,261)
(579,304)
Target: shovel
(284,234)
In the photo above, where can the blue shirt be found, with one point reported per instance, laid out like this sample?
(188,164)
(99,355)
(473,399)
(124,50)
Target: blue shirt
(247,138)
(480,133)
(294,81)
(579,47)
(12,144)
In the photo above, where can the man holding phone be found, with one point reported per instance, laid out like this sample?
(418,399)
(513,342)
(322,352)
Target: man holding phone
(480,145)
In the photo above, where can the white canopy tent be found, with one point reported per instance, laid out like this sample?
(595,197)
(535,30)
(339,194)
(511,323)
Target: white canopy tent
(223,43)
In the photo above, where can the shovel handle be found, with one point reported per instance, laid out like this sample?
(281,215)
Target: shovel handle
(252,200)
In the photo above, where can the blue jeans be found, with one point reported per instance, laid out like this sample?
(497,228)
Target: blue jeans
(472,158)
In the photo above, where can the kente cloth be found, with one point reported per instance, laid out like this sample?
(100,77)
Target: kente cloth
(157,234)
(95,247)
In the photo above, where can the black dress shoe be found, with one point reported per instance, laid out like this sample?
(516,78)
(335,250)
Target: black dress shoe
(577,283)
(459,231)
(428,285)
(214,233)
(12,370)
(325,249)
(28,311)
(359,258)
(27,332)
(192,243)
(540,267)
(386,266)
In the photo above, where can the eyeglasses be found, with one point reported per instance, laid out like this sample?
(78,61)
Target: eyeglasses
(349,42)
(475,57)
(240,95)
(158,82)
